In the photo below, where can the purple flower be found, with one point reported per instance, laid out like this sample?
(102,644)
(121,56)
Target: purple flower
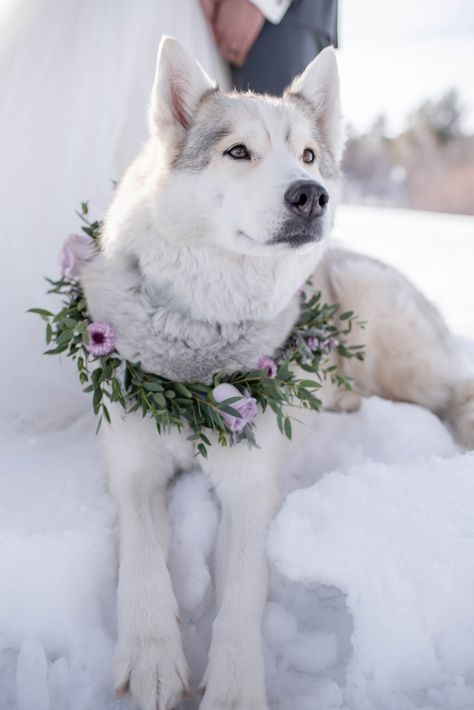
(269,363)
(246,406)
(76,249)
(313,343)
(101,338)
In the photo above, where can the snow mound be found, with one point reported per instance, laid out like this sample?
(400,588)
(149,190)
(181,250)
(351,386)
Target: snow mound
(398,541)
(372,581)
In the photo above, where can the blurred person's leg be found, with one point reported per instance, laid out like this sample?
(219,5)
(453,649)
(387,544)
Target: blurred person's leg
(282,51)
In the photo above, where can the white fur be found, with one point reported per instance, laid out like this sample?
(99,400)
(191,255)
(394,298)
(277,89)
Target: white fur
(320,84)
(178,86)
(189,294)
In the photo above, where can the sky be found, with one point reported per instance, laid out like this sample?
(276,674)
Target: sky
(396,53)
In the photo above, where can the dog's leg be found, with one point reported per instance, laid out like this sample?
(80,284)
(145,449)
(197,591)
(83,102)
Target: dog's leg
(411,355)
(246,483)
(149,659)
(459,411)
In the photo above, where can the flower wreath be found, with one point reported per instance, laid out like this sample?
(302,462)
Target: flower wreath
(230,403)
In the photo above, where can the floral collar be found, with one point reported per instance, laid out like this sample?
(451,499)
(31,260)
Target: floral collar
(228,406)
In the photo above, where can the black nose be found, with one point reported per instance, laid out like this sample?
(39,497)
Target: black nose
(306,198)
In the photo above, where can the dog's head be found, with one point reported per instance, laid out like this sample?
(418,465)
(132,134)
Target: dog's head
(250,174)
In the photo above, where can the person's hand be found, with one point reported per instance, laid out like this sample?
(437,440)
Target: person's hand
(236,25)
(209,8)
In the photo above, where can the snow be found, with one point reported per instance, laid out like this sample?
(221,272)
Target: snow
(372,580)
(435,250)
(398,541)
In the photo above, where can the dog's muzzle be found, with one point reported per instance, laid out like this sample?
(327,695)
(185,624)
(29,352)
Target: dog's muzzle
(307,199)
(307,202)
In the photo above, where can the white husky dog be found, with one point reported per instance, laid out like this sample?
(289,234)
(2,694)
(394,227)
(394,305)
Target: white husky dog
(215,226)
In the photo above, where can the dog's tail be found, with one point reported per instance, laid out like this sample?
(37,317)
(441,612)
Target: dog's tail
(459,412)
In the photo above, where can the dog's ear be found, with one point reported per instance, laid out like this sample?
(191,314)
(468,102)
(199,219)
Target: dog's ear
(180,83)
(319,85)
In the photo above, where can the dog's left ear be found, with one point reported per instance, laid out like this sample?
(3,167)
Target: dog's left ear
(180,83)
(319,84)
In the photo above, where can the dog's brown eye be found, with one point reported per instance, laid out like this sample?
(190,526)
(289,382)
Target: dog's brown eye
(308,156)
(238,152)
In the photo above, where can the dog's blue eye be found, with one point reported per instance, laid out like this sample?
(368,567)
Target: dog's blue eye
(308,156)
(238,152)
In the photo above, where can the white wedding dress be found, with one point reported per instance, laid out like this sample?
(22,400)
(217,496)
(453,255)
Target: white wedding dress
(75,76)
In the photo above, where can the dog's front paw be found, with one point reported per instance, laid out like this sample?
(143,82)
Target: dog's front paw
(234,679)
(228,697)
(153,672)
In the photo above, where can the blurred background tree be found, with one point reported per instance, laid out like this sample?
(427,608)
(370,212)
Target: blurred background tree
(443,117)
(428,165)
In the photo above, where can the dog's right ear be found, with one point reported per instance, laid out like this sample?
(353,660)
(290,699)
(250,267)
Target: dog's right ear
(180,83)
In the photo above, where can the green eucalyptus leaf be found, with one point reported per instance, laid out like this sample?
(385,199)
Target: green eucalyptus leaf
(56,351)
(229,410)
(40,312)
(160,399)
(309,383)
(182,389)
(202,450)
(96,401)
